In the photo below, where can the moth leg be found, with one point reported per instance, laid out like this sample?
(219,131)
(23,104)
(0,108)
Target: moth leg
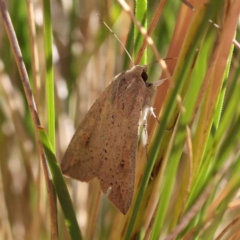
(154,115)
(151,110)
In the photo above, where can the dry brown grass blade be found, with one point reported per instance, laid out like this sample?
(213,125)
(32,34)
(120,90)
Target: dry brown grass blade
(191,213)
(31,103)
(94,211)
(235,235)
(213,82)
(148,39)
(5,223)
(161,161)
(227,228)
(149,214)
(34,52)
(14,101)
(152,25)
(180,30)
(188,169)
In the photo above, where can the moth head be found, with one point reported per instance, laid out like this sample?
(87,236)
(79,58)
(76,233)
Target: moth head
(140,71)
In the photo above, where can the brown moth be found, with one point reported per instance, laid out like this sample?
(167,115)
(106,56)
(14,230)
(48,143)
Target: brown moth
(106,141)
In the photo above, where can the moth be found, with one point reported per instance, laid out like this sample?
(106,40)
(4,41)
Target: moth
(105,143)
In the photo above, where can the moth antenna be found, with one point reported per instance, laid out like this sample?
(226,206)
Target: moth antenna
(188,4)
(165,59)
(111,31)
(151,110)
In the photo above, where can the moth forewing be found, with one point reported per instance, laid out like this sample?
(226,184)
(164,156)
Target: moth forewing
(78,161)
(105,143)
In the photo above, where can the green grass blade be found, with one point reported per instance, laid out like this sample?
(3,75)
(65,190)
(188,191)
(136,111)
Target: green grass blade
(49,69)
(141,16)
(61,188)
(179,141)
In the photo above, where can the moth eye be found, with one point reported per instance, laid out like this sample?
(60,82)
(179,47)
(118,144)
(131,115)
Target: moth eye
(144,76)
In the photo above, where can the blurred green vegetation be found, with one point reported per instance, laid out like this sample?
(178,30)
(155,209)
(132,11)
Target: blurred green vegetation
(189,186)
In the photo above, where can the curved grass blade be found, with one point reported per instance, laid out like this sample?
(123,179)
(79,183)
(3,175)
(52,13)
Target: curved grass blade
(61,188)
